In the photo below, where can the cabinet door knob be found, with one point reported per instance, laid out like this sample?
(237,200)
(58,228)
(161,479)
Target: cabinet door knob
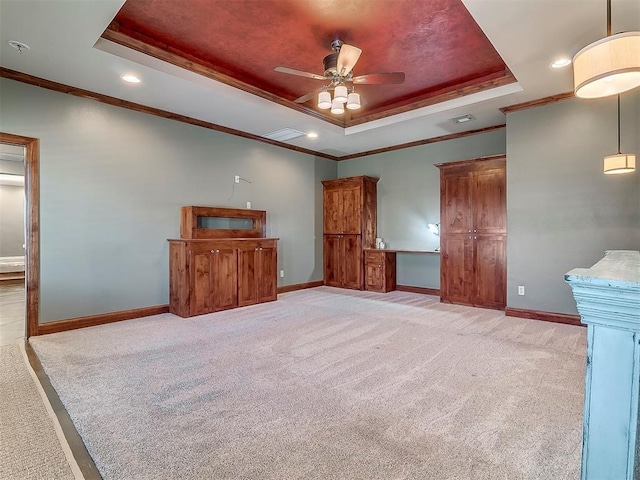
(217,251)
(213,251)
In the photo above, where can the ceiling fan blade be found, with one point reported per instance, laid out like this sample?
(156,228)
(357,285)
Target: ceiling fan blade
(377,78)
(347,58)
(300,73)
(309,96)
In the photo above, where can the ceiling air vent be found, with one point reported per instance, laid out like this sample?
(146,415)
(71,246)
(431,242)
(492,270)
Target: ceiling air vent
(463,119)
(284,134)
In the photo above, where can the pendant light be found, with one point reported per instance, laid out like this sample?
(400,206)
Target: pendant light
(619,162)
(608,66)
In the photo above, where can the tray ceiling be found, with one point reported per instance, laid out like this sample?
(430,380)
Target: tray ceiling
(438,45)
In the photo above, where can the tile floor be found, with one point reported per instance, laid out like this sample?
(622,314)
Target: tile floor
(12,311)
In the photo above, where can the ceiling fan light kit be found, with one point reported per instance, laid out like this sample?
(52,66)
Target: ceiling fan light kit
(609,66)
(338,71)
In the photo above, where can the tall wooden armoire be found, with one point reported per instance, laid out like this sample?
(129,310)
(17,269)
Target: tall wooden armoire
(350,208)
(473,232)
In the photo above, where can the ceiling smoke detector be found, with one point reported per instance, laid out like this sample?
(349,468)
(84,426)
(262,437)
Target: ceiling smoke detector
(19,46)
(462,119)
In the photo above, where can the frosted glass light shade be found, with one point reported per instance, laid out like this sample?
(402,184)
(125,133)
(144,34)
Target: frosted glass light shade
(340,93)
(607,67)
(324,100)
(353,101)
(337,106)
(619,163)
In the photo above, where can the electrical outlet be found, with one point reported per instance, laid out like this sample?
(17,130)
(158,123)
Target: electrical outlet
(281,273)
(237,179)
(249,205)
(520,289)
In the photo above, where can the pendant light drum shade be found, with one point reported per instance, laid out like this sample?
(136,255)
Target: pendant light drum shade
(607,67)
(337,107)
(340,93)
(619,163)
(324,100)
(353,101)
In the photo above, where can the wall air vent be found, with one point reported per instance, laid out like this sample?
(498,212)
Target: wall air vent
(284,134)
(462,119)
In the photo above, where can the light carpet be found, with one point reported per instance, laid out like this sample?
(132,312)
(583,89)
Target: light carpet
(326,384)
(31,442)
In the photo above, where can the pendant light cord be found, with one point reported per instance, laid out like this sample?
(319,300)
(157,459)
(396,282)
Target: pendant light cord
(619,124)
(608,18)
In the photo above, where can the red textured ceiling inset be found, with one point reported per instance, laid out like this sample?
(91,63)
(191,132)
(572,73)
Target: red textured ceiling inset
(436,43)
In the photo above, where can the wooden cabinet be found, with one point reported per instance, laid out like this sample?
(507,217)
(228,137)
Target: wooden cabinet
(473,232)
(343,261)
(210,275)
(257,268)
(379,271)
(350,209)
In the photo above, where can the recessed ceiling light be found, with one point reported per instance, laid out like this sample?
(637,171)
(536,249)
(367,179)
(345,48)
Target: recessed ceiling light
(561,62)
(312,135)
(463,118)
(130,78)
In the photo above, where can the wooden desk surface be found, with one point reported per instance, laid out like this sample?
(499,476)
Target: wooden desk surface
(399,251)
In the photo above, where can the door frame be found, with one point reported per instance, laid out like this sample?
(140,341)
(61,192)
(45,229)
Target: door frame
(32,225)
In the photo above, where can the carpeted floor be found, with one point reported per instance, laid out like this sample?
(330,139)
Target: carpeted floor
(30,448)
(326,384)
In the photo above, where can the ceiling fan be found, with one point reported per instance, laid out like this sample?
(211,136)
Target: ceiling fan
(338,71)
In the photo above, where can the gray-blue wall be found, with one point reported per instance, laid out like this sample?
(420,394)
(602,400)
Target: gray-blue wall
(112,184)
(562,211)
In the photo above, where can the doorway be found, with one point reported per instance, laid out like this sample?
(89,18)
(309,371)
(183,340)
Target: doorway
(19,274)
(12,245)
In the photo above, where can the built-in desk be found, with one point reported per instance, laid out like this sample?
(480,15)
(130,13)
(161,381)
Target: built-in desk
(380,270)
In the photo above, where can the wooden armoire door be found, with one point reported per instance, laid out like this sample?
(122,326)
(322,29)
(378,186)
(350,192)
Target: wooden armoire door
(332,201)
(456,277)
(489,200)
(332,261)
(352,261)
(489,252)
(351,211)
(455,197)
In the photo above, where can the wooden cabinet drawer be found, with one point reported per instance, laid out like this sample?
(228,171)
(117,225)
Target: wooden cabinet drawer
(373,257)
